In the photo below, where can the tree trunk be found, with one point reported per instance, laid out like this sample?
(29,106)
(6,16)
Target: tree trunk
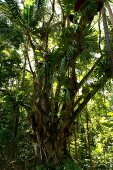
(107,39)
(76,147)
(110,12)
(88,141)
(50,141)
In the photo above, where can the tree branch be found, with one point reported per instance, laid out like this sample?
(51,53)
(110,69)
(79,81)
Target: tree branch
(88,97)
(88,74)
(107,40)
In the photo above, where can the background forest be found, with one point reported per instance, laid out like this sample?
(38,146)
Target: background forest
(56,87)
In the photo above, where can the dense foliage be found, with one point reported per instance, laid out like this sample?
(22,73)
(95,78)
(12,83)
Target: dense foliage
(55,85)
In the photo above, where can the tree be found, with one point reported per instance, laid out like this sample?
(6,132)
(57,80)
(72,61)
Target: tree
(59,71)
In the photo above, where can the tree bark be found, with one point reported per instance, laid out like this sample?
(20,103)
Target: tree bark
(110,12)
(107,39)
(88,141)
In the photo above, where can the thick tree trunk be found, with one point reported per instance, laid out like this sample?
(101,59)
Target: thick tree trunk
(51,138)
(51,149)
